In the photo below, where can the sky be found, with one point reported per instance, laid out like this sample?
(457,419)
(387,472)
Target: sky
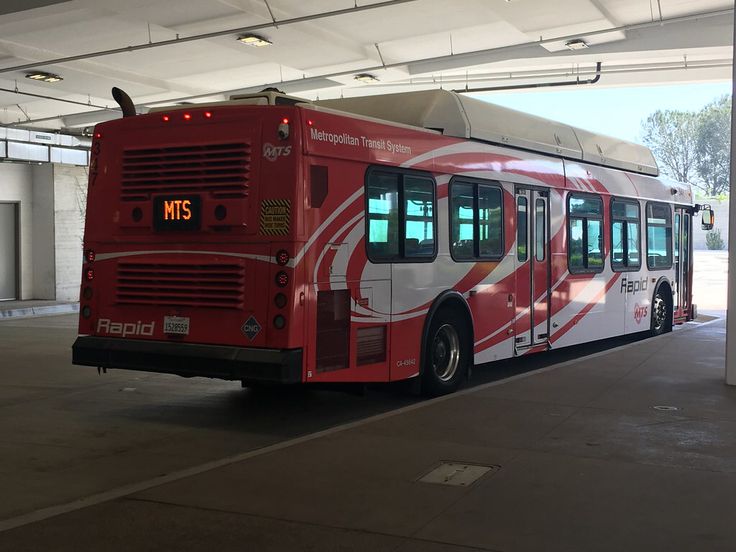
(616,112)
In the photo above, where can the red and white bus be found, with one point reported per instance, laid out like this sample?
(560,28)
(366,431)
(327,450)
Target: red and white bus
(271,239)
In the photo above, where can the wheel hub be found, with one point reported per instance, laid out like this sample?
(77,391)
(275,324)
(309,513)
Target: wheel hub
(660,312)
(445,352)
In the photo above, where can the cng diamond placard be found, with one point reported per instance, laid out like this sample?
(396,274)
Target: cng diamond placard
(251,328)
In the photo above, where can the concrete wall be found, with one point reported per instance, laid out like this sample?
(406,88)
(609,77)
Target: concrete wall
(16,186)
(44,271)
(52,200)
(720,209)
(70,198)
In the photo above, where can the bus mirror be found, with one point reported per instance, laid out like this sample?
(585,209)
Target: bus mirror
(708,219)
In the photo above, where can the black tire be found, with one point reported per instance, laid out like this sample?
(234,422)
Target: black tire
(661,313)
(446,353)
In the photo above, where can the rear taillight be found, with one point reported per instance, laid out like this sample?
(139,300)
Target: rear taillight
(282,257)
(89,255)
(89,274)
(282,279)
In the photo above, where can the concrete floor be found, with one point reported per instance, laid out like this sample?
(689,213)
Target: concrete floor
(710,285)
(581,458)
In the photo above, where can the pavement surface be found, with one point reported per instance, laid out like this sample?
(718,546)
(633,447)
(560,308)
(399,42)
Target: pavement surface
(627,444)
(579,457)
(710,282)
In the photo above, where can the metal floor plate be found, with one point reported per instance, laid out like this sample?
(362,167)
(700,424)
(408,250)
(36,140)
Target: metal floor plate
(457,474)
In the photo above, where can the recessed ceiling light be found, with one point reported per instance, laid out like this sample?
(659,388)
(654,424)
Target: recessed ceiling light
(43,76)
(366,77)
(254,40)
(576,44)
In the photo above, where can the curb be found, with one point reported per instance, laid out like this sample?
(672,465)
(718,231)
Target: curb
(46,310)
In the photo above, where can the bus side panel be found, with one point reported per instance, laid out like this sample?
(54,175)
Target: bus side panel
(349,299)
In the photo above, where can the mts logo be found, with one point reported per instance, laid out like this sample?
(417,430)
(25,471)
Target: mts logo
(177,209)
(272,153)
(640,312)
(633,286)
(124,329)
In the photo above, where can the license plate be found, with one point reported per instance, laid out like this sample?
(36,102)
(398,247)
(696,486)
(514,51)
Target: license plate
(177,213)
(176,325)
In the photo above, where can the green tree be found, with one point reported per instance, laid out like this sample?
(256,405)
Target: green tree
(713,150)
(672,137)
(693,146)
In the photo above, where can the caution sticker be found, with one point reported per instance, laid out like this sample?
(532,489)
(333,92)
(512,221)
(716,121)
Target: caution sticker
(275,217)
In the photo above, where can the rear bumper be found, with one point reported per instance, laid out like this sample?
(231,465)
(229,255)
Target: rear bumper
(185,359)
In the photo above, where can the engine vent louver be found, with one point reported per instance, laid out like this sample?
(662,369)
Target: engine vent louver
(181,285)
(220,169)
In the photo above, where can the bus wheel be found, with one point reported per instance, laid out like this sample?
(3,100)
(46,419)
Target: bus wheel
(661,315)
(446,355)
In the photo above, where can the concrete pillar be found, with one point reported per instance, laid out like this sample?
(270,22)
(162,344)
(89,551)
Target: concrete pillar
(731,312)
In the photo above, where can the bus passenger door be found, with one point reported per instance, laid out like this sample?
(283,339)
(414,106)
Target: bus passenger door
(531,324)
(683,262)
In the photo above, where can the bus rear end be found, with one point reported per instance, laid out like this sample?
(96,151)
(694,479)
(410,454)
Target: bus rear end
(190,235)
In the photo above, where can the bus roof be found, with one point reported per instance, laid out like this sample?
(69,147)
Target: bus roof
(457,115)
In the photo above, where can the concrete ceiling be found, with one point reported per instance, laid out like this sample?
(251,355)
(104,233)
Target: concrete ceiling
(319,46)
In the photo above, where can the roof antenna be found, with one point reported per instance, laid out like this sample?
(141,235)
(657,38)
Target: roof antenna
(124,101)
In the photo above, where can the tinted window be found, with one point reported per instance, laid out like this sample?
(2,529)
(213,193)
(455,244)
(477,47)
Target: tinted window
(659,236)
(625,235)
(400,216)
(476,221)
(462,234)
(419,217)
(575,253)
(383,216)
(585,234)
(490,235)
(539,230)
(522,230)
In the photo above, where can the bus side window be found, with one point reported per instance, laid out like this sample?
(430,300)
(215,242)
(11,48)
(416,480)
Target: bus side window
(418,217)
(462,227)
(659,236)
(490,221)
(476,220)
(522,226)
(585,233)
(400,216)
(383,216)
(625,231)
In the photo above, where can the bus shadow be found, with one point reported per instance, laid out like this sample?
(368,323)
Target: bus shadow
(283,412)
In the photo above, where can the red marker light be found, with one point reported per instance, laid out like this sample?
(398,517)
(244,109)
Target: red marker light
(282,279)
(285,121)
(90,274)
(282,257)
(98,135)
(90,255)
(207,114)
(310,122)
(187,116)
(165,118)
